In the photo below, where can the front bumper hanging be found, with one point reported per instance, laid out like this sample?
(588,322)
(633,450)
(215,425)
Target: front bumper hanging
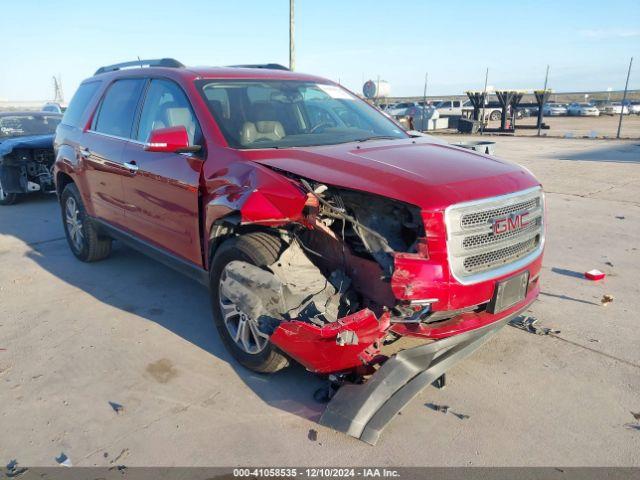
(364,410)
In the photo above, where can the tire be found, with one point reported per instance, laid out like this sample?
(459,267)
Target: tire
(260,249)
(7,198)
(82,235)
(495,115)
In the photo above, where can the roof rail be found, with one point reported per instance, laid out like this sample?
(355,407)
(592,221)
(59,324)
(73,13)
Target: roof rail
(268,66)
(160,62)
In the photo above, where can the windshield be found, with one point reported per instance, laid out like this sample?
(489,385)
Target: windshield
(281,114)
(23,125)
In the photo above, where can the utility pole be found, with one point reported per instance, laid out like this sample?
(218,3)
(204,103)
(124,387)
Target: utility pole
(292,47)
(544,92)
(484,101)
(624,98)
(424,93)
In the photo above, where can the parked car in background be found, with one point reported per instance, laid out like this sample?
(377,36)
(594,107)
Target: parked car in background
(399,109)
(449,108)
(53,107)
(582,109)
(554,109)
(492,110)
(634,107)
(615,108)
(26,153)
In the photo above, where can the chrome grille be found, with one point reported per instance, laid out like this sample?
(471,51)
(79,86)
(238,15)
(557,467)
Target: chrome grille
(477,241)
(498,257)
(475,219)
(478,251)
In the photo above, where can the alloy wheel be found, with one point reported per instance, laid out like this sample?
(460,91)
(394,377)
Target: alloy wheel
(241,327)
(74,224)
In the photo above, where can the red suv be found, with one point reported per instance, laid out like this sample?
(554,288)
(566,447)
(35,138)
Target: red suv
(327,234)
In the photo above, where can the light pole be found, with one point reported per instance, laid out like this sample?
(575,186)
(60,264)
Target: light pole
(624,98)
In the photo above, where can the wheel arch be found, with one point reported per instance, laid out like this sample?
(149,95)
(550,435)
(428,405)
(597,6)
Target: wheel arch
(231,226)
(62,180)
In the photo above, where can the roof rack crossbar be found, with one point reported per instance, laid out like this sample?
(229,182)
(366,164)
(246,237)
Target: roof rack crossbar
(159,62)
(268,66)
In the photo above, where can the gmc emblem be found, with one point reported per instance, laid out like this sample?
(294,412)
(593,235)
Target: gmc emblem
(510,223)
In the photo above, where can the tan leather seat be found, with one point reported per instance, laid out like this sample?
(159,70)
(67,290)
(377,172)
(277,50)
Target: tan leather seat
(262,130)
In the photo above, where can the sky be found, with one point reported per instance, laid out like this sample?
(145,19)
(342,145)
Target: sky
(587,43)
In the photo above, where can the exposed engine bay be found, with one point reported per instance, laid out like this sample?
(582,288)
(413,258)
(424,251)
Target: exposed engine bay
(339,264)
(26,170)
(335,269)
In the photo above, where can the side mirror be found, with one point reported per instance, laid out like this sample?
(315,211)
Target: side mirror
(170,140)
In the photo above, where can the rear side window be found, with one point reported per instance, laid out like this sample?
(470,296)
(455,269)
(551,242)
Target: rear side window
(79,103)
(118,108)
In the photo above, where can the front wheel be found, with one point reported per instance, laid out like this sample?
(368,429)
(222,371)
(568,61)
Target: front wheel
(495,115)
(238,331)
(82,235)
(7,198)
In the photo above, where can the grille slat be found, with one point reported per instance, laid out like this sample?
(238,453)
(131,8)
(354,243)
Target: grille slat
(477,250)
(499,257)
(482,218)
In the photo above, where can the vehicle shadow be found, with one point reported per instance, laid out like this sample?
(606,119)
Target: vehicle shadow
(134,283)
(625,153)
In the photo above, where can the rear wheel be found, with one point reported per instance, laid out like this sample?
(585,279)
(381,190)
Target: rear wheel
(238,331)
(82,235)
(495,115)
(7,198)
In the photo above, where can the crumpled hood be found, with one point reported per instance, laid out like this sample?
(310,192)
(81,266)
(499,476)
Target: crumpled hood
(420,172)
(29,141)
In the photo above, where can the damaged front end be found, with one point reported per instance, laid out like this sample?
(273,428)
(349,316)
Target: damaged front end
(26,164)
(362,292)
(328,300)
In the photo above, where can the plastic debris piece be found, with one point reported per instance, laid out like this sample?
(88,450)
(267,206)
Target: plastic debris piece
(606,300)
(528,324)
(63,460)
(461,416)
(438,408)
(312,435)
(594,274)
(116,407)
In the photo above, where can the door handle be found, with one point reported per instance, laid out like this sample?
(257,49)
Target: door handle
(85,152)
(131,166)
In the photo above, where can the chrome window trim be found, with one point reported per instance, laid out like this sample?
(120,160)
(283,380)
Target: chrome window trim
(505,269)
(116,137)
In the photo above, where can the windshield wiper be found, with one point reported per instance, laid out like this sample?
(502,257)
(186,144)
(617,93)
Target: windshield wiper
(377,137)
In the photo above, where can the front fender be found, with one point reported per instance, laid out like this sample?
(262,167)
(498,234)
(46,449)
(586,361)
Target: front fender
(258,194)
